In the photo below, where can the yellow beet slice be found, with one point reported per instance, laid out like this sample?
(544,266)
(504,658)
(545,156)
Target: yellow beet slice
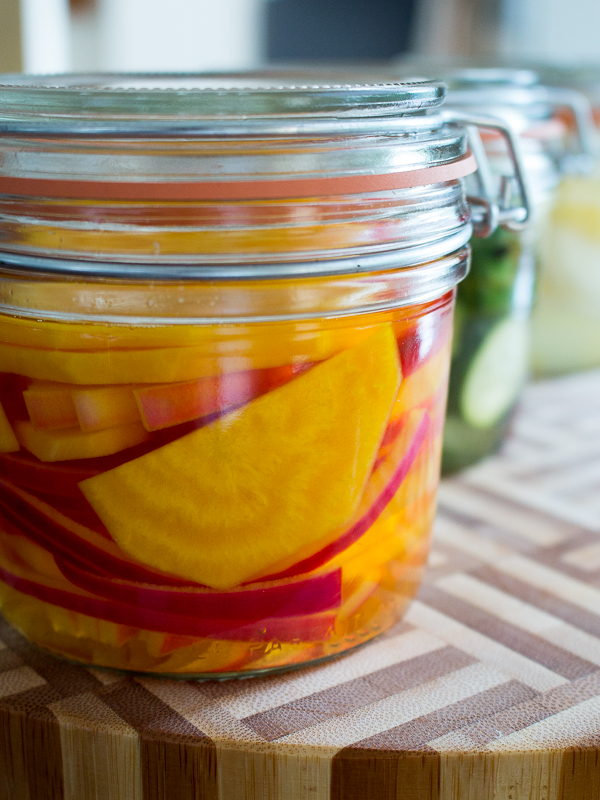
(320,339)
(275,478)
(177,364)
(161,365)
(65,445)
(8,440)
(32,555)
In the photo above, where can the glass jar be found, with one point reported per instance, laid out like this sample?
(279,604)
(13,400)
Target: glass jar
(566,319)
(490,358)
(225,324)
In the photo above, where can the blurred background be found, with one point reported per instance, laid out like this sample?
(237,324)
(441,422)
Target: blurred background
(98,35)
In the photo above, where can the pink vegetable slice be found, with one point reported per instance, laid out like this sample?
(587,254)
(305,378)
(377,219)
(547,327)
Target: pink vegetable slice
(171,404)
(311,595)
(50,406)
(305,628)
(65,538)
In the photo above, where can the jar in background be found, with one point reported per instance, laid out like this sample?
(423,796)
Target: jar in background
(566,319)
(225,334)
(491,350)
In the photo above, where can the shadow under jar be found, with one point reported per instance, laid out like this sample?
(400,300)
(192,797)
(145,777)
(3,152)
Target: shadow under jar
(226,311)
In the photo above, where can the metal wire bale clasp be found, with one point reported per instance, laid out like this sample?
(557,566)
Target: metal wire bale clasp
(495,205)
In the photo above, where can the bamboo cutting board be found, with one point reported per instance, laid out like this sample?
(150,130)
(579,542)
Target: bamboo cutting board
(489,689)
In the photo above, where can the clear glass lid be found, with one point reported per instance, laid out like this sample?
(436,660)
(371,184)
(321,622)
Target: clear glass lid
(262,175)
(264,102)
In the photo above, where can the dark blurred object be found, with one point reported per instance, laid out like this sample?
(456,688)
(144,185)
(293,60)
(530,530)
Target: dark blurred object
(11,57)
(82,5)
(338,29)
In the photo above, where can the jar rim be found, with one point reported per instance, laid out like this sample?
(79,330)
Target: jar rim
(128,140)
(258,102)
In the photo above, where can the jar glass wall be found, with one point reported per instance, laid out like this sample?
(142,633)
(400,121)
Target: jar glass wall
(218,498)
(225,324)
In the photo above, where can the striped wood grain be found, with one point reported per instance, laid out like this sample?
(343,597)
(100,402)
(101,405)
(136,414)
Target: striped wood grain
(489,689)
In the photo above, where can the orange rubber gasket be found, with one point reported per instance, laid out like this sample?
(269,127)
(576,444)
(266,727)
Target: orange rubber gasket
(270,189)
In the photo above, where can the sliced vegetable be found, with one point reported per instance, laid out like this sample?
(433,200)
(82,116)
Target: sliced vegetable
(72,443)
(29,553)
(8,440)
(103,407)
(310,595)
(284,474)
(425,382)
(50,406)
(52,591)
(314,340)
(496,374)
(171,404)
(423,338)
(67,539)
(29,472)
(273,346)
(383,484)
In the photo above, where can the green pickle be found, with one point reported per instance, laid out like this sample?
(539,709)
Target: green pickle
(490,347)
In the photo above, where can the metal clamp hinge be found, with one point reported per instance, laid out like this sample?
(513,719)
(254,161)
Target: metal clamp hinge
(495,205)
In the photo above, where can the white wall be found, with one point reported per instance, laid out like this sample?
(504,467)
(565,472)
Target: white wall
(45,36)
(183,35)
(565,31)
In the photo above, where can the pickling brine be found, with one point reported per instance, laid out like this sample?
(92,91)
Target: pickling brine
(217,499)
(225,335)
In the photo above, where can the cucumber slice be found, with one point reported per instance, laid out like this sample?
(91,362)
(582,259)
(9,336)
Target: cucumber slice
(496,374)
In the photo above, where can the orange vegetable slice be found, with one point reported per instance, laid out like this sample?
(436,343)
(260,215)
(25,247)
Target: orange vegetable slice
(281,475)
(50,406)
(31,555)
(53,406)
(161,365)
(8,441)
(173,403)
(72,443)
